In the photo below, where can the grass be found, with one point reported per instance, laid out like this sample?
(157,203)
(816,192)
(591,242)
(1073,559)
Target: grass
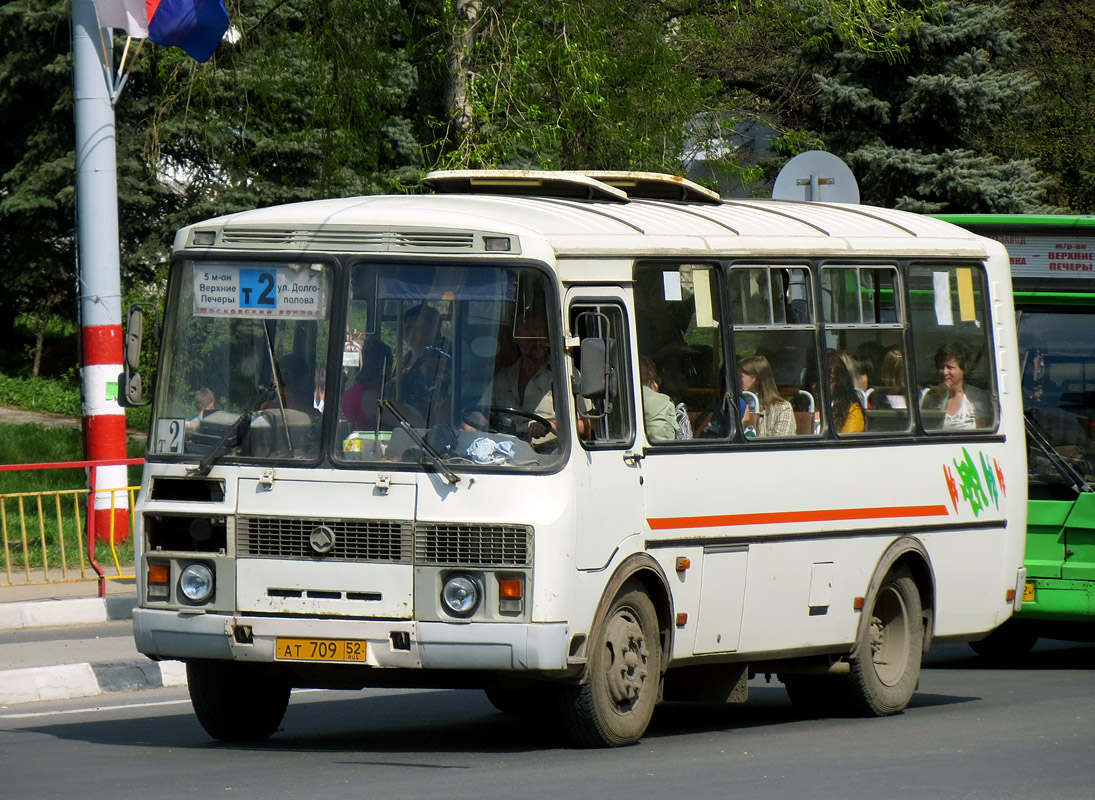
(49,535)
(57,396)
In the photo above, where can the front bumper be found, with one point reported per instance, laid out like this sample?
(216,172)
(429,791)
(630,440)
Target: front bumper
(505,646)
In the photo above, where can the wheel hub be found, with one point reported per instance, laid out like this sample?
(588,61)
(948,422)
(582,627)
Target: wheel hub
(626,662)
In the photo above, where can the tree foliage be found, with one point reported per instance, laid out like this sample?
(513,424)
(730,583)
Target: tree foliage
(916,132)
(937,106)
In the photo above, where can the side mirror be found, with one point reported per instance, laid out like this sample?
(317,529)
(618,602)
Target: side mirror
(596,358)
(130,385)
(134,334)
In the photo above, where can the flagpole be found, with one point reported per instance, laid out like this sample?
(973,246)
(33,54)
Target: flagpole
(98,267)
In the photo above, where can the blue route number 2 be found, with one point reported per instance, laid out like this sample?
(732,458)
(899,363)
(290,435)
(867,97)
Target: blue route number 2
(258,288)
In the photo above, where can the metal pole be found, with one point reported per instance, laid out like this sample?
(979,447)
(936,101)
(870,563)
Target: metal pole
(97,263)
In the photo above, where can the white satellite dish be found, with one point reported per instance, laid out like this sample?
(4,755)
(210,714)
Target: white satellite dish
(816,175)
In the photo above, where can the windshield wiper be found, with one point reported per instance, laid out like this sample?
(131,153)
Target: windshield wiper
(1034,433)
(428,450)
(234,430)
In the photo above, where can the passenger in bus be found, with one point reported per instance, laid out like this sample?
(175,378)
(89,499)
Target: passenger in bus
(358,403)
(963,406)
(774,417)
(846,406)
(204,402)
(893,393)
(421,369)
(659,413)
(297,384)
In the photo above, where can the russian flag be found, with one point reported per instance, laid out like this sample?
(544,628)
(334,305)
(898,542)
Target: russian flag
(196,26)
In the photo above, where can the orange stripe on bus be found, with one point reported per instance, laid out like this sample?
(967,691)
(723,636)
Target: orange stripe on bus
(778,517)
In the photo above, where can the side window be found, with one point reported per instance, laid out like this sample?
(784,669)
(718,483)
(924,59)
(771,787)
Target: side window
(601,372)
(677,319)
(950,325)
(772,313)
(865,349)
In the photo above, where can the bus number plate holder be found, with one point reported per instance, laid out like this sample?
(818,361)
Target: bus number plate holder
(351,651)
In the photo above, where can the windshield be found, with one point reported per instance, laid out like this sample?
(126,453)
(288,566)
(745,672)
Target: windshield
(247,346)
(440,366)
(1058,364)
(450,364)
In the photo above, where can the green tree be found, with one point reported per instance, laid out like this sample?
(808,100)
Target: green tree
(563,85)
(917,132)
(1055,126)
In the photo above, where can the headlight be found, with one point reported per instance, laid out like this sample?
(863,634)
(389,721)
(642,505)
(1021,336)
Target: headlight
(460,595)
(196,583)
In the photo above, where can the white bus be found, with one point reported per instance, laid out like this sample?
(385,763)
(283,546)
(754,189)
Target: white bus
(585,441)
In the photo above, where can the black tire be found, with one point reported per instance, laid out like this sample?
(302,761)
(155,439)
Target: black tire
(237,702)
(1012,640)
(613,705)
(886,664)
(531,701)
(817,695)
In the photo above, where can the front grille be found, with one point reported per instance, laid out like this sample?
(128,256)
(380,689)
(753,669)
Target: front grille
(473,545)
(386,541)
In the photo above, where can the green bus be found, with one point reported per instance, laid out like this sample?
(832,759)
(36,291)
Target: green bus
(1053,269)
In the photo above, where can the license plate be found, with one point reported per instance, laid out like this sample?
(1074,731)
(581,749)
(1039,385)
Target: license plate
(351,650)
(1028,592)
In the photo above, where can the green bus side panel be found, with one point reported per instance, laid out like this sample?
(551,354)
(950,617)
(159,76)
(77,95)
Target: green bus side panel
(1045,537)
(1060,600)
(1080,540)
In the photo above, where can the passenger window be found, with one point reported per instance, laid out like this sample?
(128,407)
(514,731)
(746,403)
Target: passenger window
(677,319)
(953,369)
(865,349)
(772,312)
(606,418)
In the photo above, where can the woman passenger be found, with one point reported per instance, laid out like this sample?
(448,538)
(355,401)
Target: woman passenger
(963,406)
(894,392)
(847,411)
(775,416)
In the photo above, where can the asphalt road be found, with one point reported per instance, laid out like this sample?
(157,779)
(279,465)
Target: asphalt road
(1023,732)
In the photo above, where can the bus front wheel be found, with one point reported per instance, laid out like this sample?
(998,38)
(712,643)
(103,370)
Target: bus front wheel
(886,664)
(237,702)
(613,706)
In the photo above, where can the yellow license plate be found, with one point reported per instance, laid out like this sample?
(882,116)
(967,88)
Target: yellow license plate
(351,650)
(1028,592)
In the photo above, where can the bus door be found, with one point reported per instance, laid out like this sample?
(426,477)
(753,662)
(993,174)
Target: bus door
(687,413)
(607,471)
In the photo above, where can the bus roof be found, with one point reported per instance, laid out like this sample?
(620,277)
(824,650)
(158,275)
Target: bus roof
(576,214)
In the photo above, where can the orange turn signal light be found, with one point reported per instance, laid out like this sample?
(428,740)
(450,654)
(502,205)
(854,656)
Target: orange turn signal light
(511,587)
(683,563)
(1011,596)
(159,573)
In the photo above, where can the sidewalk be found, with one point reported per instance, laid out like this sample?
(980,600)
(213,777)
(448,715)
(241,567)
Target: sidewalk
(60,641)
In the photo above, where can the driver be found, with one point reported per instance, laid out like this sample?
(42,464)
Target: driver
(526,384)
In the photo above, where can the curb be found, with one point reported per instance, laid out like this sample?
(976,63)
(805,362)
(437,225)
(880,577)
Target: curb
(69,681)
(58,613)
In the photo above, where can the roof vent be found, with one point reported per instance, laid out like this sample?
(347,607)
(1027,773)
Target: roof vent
(528,183)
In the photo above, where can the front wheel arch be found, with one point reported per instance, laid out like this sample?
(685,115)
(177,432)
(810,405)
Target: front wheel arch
(648,573)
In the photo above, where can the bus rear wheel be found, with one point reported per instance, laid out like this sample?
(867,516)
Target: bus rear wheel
(886,665)
(614,704)
(237,702)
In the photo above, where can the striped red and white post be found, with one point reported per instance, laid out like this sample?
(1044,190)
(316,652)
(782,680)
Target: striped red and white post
(98,268)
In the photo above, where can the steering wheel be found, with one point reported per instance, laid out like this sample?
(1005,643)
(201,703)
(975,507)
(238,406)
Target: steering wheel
(509,411)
